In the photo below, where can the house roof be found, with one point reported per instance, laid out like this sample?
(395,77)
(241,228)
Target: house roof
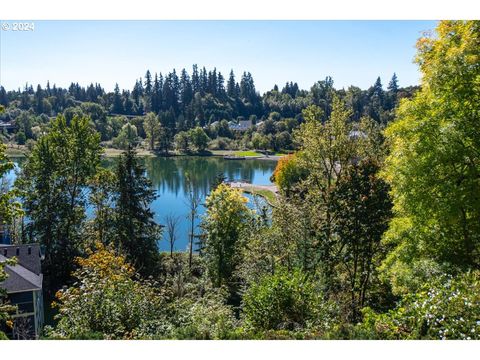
(28,255)
(26,274)
(20,279)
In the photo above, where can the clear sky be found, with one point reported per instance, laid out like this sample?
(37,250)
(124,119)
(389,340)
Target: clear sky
(109,52)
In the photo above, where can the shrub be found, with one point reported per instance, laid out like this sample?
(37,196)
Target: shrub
(21,138)
(447,309)
(286,301)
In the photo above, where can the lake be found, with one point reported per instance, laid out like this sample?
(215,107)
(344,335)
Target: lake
(168,176)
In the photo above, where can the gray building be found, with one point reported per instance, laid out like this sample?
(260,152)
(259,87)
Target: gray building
(24,289)
(242,125)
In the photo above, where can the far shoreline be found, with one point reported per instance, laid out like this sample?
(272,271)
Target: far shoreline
(16,151)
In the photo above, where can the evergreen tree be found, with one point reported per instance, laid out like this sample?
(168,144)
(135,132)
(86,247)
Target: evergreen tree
(3,97)
(220,85)
(393,84)
(148,84)
(393,92)
(195,79)
(203,81)
(136,231)
(156,95)
(231,89)
(39,100)
(186,91)
(117,106)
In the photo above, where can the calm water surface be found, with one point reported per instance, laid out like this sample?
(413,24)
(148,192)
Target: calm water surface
(168,176)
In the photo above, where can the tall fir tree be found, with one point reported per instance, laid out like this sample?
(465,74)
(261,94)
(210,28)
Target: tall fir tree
(137,233)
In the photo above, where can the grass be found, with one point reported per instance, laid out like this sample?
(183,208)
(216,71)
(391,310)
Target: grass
(247,153)
(111,152)
(266,194)
(282,153)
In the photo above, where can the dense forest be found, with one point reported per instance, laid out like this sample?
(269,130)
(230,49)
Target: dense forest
(375,232)
(191,112)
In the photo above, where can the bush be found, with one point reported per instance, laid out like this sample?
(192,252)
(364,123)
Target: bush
(21,138)
(220,143)
(288,173)
(107,299)
(447,309)
(286,301)
(205,318)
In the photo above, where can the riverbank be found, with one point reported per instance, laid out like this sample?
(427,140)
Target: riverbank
(268,192)
(14,150)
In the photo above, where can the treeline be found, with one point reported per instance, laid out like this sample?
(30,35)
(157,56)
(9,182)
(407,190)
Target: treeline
(202,99)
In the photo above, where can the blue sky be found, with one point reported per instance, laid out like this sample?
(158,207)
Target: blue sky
(109,52)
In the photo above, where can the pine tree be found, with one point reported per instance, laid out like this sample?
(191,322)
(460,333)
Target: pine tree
(393,92)
(148,83)
(220,85)
(117,106)
(203,80)
(3,97)
(39,100)
(195,79)
(137,232)
(393,84)
(231,90)
(186,91)
(156,95)
(128,103)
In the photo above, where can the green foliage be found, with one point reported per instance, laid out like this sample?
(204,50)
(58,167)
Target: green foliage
(136,233)
(5,308)
(225,218)
(9,206)
(127,137)
(327,150)
(362,208)
(107,299)
(306,268)
(203,318)
(103,186)
(152,129)
(21,138)
(446,308)
(286,300)
(434,165)
(198,139)
(182,141)
(52,185)
(288,174)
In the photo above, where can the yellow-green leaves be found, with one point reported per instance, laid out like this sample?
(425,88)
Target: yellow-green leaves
(226,217)
(434,161)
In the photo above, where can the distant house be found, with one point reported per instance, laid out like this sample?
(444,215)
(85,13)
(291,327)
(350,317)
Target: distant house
(242,125)
(24,289)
